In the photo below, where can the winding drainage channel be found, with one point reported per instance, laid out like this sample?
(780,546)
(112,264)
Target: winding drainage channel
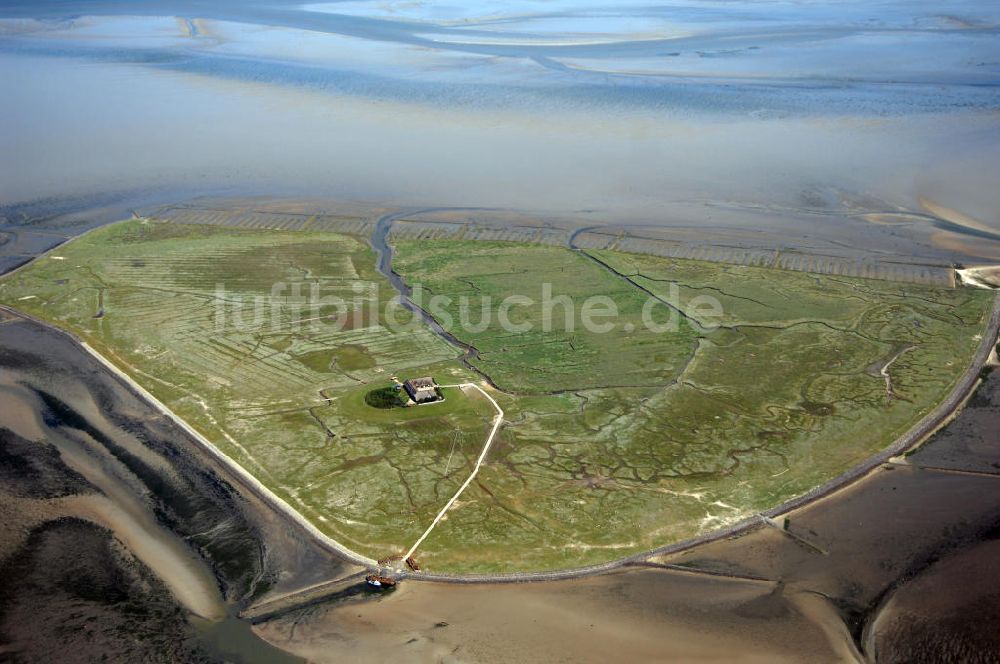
(383,263)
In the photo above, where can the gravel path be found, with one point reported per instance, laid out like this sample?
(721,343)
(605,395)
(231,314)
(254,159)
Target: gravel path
(497,421)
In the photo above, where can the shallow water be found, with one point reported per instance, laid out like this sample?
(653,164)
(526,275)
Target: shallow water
(695,113)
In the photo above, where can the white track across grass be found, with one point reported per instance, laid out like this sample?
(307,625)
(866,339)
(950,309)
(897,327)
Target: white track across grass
(497,421)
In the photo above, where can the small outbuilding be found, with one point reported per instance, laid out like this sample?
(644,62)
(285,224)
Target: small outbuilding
(421,390)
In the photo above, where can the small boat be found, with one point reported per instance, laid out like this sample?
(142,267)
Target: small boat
(412,564)
(378,581)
